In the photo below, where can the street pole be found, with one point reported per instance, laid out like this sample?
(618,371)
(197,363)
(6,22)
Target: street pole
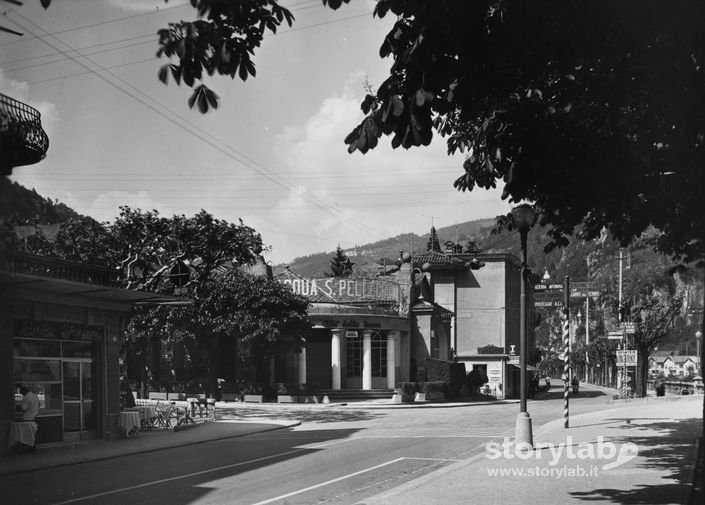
(587,333)
(566,350)
(524,218)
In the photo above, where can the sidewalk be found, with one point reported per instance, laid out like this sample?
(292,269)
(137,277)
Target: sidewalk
(641,451)
(95,450)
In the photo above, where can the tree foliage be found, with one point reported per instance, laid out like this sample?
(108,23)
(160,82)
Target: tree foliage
(340,264)
(587,110)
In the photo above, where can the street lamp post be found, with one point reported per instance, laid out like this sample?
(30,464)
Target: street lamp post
(523,217)
(698,338)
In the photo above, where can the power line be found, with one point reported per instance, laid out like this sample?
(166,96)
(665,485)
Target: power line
(203,136)
(150,41)
(93,25)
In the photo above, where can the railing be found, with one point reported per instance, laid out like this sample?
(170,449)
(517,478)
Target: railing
(675,387)
(43,266)
(22,139)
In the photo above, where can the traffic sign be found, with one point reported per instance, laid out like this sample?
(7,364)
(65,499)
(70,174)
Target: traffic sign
(629,328)
(548,303)
(548,287)
(626,357)
(583,285)
(582,293)
(615,335)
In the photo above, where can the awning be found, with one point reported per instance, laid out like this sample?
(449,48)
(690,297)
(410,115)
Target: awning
(528,367)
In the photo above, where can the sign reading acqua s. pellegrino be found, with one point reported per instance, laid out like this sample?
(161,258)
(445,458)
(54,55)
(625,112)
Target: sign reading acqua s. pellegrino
(344,289)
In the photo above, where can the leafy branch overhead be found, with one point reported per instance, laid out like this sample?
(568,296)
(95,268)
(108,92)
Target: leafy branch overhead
(222,41)
(588,112)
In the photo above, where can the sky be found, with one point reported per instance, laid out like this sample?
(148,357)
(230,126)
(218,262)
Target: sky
(272,154)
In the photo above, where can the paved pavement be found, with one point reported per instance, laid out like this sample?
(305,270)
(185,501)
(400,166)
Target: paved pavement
(638,451)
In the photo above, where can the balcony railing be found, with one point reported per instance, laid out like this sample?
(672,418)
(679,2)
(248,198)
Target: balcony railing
(22,139)
(43,266)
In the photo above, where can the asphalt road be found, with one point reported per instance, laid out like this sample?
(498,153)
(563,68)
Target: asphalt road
(339,454)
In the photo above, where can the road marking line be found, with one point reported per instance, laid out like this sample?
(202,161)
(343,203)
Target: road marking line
(332,481)
(170,479)
(434,459)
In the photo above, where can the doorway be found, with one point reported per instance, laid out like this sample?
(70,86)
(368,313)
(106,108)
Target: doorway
(79,399)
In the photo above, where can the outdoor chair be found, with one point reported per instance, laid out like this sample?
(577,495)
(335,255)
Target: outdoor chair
(165,413)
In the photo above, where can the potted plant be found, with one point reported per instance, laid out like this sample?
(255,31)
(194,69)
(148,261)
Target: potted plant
(287,392)
(252,393)
(230,391)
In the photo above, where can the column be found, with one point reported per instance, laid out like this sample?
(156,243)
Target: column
(336,337)
(302,366)
(392,337)
(367,360)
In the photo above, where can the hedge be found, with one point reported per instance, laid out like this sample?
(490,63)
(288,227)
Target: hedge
(449,372)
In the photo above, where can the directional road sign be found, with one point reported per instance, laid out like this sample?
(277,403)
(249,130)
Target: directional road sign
(548,303)
(615,335)
(582,293)
(626,357)
(583,285)
(548,287)
(629,328)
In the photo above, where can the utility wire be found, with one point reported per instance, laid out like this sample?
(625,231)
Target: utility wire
(202,134)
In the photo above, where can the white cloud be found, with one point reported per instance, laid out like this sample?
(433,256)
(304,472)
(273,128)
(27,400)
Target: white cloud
(353,199)
(106,207)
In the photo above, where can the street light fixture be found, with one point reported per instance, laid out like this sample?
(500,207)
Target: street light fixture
(524,217)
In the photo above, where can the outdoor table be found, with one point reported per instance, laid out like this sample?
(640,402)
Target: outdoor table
(24,432)
(129,422)
(147,415)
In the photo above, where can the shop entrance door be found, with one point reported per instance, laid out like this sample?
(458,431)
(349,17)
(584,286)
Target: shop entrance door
(79,399)
(353,363)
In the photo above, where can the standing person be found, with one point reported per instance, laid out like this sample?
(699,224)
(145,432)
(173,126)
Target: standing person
(548,382)
(27,440)
(533,386)
(575,383)
(30,404)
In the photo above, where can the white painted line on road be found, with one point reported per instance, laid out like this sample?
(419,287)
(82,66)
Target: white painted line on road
(435,459)
(178,477)
(332,481)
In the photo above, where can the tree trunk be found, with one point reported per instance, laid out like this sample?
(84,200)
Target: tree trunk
(214,366)
(642,365)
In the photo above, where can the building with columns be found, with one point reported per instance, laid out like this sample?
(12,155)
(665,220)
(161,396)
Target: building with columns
(372,333)
(360,333)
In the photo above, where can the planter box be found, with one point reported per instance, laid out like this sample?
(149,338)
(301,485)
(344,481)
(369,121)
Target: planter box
(252,398)
(232,397)
(287,399)
(420,397)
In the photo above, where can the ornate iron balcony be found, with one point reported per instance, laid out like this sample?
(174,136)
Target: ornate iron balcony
(44,266)
(22,139)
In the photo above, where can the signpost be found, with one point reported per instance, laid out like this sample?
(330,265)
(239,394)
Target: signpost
(615,335)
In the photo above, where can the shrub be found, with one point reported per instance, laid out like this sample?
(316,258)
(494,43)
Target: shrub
(408,391)
(288,388)
(432,387)
(449,372)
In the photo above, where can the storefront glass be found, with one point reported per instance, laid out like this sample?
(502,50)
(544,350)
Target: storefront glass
(63,375)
